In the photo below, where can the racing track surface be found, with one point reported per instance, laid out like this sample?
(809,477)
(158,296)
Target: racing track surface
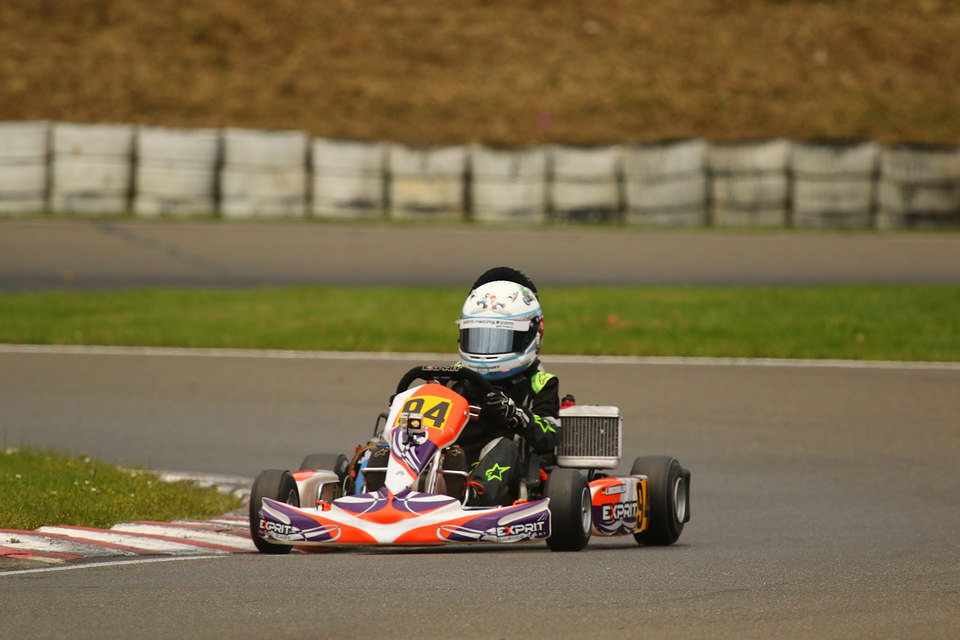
(824,498)
(45,253)
(824,506)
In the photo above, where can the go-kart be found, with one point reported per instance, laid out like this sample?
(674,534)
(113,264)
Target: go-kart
(418,499)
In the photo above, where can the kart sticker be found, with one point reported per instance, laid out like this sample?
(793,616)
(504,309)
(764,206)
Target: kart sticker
(617,505)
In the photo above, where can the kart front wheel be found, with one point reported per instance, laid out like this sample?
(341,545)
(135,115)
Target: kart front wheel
(277,485)
(336,462)
(571,510)
(668,495)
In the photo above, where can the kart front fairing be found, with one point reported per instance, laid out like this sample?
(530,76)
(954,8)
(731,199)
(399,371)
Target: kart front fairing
(406,518)
(422,421)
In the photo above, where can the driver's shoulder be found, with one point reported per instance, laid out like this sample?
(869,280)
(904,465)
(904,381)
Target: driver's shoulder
(536,378)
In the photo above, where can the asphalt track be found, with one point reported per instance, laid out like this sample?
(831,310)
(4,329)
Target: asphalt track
(824,500)
(83,254)
(824,506)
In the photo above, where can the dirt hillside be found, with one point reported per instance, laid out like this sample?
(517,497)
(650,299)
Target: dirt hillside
(495,71)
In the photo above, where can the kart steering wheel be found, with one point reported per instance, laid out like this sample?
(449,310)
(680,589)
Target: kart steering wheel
(444,374)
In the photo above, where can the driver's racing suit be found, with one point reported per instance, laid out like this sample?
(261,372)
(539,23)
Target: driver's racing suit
(526,404)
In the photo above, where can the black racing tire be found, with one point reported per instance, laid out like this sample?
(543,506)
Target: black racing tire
(336,462)
(571,510)
(278,485)
(668,498)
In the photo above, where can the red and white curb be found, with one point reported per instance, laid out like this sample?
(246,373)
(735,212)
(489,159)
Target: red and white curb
(221,535)
(227,534)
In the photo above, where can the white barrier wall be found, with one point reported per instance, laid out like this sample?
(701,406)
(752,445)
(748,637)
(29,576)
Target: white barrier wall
(237,173)
(834,184)
(176,172)
(919,188)
(665,184)
(264,174)
(585,183)
(349,178)
(508,185)
(748,183)
(91,168)
(24,157)
(427,182)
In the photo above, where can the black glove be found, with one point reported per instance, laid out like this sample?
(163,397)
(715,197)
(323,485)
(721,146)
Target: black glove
(502,405)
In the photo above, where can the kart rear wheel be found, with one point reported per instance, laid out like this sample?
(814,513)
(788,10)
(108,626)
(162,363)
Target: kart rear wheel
(336,462)
(668,496)
(278,485)
(571,510)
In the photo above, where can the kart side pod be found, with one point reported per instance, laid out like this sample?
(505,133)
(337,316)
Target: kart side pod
(653,502)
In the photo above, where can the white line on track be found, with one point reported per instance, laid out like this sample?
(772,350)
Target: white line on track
(110,563)
(282,354)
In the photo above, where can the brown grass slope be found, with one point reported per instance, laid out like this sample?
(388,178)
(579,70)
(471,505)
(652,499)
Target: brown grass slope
(495,71)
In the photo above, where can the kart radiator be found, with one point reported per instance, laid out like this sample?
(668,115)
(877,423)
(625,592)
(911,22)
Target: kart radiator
(589,437)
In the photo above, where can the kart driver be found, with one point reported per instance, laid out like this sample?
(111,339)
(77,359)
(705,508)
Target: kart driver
(501,330)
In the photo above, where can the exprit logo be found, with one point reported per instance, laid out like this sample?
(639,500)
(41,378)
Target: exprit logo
(520,530)
(619,511)
(276,527)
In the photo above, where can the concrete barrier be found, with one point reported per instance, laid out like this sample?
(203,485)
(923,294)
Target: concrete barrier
(585,183)
(264,173)
(508,185)
(834,184)
(108,169)
(749,184)
(348,179)
(427,182)
(176,172)
(665,184)
(919,188)
(24,160)
(91,168)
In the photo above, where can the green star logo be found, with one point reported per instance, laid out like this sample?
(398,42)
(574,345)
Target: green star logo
(496,472)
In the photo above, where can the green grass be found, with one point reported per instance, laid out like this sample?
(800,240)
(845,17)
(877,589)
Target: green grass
(44,488)
(864,322)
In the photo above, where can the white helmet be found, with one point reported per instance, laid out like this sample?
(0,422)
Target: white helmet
(501,324)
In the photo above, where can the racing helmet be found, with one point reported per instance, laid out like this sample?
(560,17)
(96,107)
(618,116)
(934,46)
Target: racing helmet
(501,324)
